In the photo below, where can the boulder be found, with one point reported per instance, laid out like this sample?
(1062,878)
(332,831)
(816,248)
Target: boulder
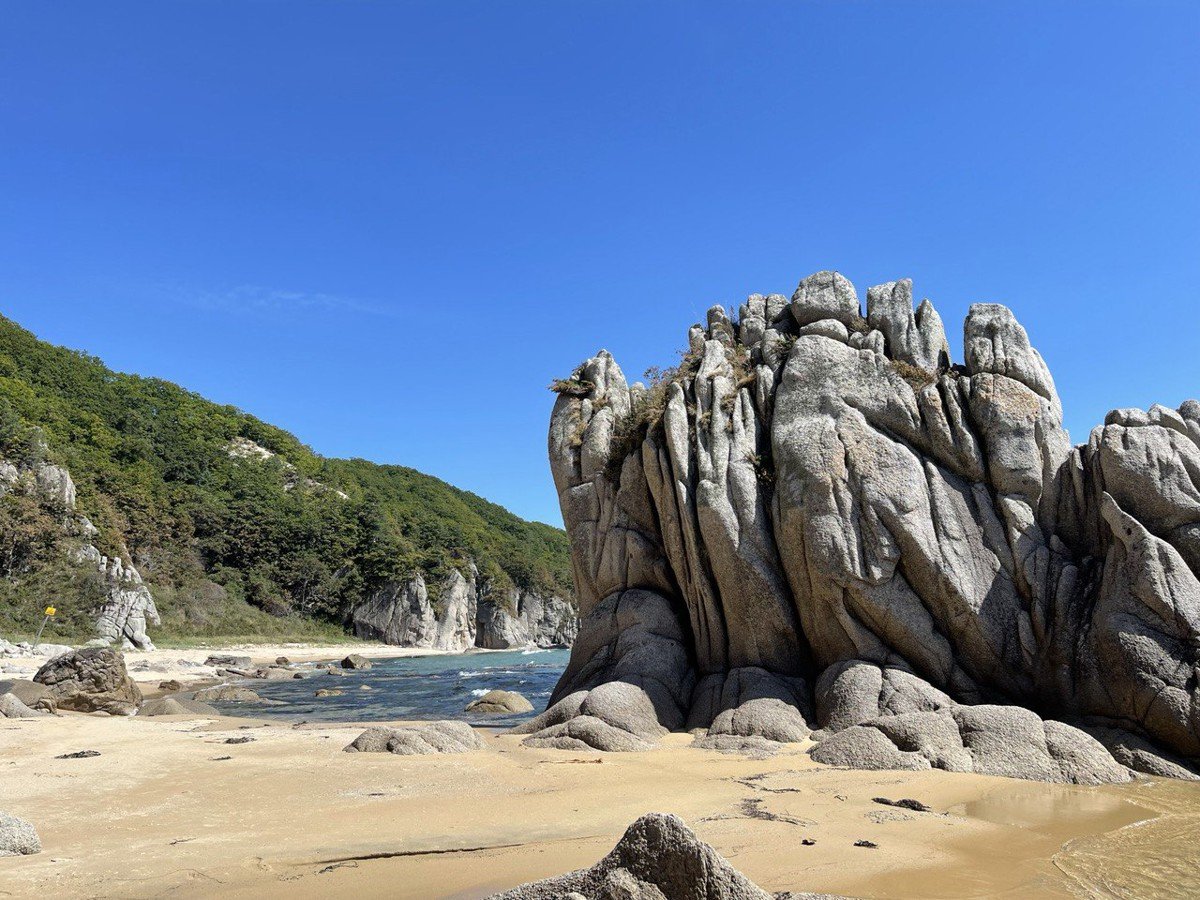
(418,740)
(752,702)
(226,693)
(90,680)
(825,295)
(753,747)
(32,694)
(860,747)
(638,685)
(500,702)
(170,686)
(989,740)
(587,733)
(328,692)
(176,706)
(356,661)
(17,837)
(11,707)
(1141,755)
(228,661)
(658,858)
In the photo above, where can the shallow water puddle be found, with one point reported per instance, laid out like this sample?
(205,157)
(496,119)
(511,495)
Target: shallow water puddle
(1057,810)
(1033,845)
(1156,858)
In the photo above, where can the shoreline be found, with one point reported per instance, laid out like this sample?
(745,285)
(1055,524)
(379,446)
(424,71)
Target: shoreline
(186,664)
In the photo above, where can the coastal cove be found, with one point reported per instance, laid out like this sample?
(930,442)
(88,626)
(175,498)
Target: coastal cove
(709,451)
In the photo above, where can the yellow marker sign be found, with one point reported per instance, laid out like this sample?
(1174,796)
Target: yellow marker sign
(50,610)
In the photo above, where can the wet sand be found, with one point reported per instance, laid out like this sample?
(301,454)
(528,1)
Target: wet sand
(290,814)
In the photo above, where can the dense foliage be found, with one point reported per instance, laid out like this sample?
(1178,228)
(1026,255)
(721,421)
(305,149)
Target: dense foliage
(221,536)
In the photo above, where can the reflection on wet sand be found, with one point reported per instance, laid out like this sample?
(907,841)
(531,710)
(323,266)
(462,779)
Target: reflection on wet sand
(1127,841)
(1158,857)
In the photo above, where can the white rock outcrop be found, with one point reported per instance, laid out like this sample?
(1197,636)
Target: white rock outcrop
(463,611)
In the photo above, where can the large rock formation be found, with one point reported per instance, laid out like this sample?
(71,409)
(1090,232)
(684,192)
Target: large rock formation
(463,611)
(129,607)
(817,520)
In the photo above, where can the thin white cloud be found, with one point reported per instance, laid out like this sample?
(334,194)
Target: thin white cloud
(252,298)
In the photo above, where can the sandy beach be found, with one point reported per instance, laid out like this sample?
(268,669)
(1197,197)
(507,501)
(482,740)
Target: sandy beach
(170,809)
(186,665)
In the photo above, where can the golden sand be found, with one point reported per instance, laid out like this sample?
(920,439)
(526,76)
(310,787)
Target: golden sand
(159,813)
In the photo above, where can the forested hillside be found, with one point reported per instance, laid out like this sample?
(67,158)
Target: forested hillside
(236,526)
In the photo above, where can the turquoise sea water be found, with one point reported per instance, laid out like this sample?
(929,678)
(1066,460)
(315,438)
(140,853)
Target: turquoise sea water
(423,687)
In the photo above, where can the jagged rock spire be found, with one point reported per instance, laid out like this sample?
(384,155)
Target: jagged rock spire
(838,520)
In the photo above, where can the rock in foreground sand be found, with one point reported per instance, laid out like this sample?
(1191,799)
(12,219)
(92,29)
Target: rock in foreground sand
(17,837)
(658,857)
(176,706)
(417,740)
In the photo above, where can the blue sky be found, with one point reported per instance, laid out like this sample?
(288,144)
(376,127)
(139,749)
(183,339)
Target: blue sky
(387,226)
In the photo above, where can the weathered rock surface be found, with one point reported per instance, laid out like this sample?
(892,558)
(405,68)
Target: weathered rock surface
(989,740)
(817,521)
(658,858)
(228,693)
(17,837)
(25,649)
(417,740)
(461,612)
(129,608)
(176,706)
(354,661)
(11,707)
(90,680)
(631,689)
(228,661)
(500,702)
(34,695)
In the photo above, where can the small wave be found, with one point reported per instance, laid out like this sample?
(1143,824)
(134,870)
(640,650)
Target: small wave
(533,650)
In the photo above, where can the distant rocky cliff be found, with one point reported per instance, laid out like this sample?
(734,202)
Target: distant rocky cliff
(463,612)
(819,521)
(460,613)
(128,606)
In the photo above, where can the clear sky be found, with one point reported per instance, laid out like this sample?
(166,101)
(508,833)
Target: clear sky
(387,226)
